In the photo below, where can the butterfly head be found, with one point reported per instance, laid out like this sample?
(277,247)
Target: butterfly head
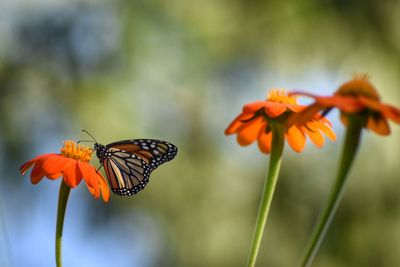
(101,151)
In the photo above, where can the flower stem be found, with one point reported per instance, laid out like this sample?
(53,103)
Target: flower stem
(352,140)
(62,204)
(268,191)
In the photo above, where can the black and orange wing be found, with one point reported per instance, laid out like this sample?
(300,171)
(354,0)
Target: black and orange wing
(127,173)
(153,152)
(131,162)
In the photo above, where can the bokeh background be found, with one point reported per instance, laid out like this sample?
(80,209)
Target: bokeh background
(180,70)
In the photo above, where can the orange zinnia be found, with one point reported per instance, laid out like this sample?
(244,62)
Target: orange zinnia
(257,119)
(72,164)
(355,96)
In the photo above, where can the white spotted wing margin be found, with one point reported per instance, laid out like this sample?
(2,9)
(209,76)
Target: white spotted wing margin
(132,161)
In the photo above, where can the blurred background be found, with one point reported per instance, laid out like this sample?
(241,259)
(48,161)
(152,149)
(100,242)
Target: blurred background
(180,71)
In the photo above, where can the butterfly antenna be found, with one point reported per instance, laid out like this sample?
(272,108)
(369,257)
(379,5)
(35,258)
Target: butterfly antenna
(90,135)
(86,141)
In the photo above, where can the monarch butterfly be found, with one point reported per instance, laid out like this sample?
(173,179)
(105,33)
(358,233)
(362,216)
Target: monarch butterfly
(129,163)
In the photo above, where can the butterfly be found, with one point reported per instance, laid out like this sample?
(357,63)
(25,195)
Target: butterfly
(129,163)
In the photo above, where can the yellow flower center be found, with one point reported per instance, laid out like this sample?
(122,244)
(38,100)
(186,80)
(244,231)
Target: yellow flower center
(74,151)
(359,86)
(281,96)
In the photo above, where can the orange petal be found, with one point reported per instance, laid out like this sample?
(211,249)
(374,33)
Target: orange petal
(391,112)
(370,103)
(314,134)
(345,103)
(37,173)
(93,191)
(348,104)
(378,125)
(54,165)
(326,130)
(237,122)
(264,140)
(254,107)
(90,176)
(72,175)
(386,110)
(295,108)
(323,101)
(53,176)
(105,191)
(323,120)
(328,101)
(24,167)
(304,116)
(273,109)
(247,133)
(295,138)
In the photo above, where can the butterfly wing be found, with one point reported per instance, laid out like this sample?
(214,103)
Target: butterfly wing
(153,152)
(127,173)
(131,162)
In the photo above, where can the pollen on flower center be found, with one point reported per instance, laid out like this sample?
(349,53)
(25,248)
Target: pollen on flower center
(281,96)
(359,86)
(74,151)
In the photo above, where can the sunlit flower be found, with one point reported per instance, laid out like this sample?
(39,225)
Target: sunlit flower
(73,165)
(257,118)
(355,96)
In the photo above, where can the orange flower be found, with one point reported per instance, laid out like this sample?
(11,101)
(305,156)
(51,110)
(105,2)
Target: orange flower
(257,118)
(355,96)
(73,165)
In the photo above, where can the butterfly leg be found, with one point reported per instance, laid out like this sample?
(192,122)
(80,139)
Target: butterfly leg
(101,165)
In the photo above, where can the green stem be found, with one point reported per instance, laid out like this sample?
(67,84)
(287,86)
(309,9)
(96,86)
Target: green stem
(352,140)
(62,204)
(268,191)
